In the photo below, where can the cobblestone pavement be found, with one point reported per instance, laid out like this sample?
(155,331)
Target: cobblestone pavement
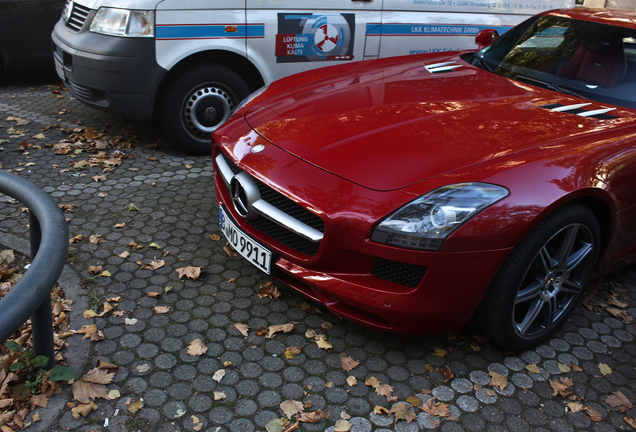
(166,197)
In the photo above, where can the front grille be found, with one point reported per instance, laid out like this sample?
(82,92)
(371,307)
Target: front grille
(78,17)
(409,275)
(286,205)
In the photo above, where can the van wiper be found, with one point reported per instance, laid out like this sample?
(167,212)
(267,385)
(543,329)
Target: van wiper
(549,85)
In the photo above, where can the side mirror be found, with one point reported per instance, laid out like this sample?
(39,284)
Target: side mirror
(486,37)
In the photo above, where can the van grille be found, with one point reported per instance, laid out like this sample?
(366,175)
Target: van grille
(78,17)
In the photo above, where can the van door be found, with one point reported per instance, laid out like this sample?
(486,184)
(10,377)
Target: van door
(423,26)
(304,35)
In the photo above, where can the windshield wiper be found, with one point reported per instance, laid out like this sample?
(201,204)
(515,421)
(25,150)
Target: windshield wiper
(482,63)
(549,85)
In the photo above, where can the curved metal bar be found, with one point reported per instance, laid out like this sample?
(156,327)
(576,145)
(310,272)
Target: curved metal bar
(31,296)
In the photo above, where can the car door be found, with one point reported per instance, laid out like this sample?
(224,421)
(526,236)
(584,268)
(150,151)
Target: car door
(298,36)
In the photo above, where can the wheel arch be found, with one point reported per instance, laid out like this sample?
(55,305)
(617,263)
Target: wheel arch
(236,62)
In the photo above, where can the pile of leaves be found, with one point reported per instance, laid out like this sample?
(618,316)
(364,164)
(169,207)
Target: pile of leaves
(25,384)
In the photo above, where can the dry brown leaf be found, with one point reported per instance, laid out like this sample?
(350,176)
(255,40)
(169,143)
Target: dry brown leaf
(576,406)
(605,369)
(243,328)
(268,289)
(414,401)
(352,381)
(312,417)
(347,362)
(84,391)
(99,376)
(498,380)
(83,410)
(162,309)
(559,388)
(533,368)
(218,375)
(448,374)
(402,412)
(197,348)
(630,421)
(291,408)
(381,410)
(153,294)
(88,330)
(321,341)
(135,406)
(384,390)
(342,426)
(618,399)
(594,415)
(190,272)
(272,330)
(372,382)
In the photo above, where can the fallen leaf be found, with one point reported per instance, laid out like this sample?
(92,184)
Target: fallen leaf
(243,328)
(618,399)
(218,375)
(414,401)
(372,382)
(83,410)
(291,407)
(563,368)
(384,390)
(269,289)
(594,415)
(498,380)
(346,362)
(402,412)
(197,348)
(321,341)
(605,369)
(312,417)
(381,410)
(272,330)
(218,395)
(135,406)
(576,406)
(162,309)
(190,272)
(352,381)
(153,294)
(533,368)
(99,376)
(342,426)
(84,391)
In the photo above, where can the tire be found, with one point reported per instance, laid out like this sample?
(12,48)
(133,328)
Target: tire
(197,102)
(542,280)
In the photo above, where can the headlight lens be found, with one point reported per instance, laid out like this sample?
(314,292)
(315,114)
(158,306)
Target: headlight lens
(123,22)
(424,224)
(251,97)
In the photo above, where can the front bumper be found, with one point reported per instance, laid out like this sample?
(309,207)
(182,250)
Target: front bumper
(352,276)
(114,74)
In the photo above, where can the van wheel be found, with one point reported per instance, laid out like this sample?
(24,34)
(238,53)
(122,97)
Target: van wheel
(197,102)
(542,280)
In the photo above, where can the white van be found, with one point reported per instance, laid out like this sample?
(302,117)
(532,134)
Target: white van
(189,63)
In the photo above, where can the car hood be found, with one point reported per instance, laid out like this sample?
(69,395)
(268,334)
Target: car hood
(387,127)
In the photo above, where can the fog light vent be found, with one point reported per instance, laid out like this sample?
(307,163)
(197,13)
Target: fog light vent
(409,275)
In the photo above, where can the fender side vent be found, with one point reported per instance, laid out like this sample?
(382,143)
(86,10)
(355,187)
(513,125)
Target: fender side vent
(577,109)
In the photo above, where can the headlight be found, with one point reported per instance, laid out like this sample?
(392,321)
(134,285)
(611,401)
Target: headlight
(424,224)
(251,97)
(123,22)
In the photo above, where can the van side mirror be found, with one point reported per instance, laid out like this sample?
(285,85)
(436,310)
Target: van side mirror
(486,37)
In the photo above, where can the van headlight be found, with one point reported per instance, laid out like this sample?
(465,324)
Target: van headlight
(124,22)
(424,224)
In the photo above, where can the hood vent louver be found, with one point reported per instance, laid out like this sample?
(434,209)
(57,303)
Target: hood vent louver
(578,110)
(442,67)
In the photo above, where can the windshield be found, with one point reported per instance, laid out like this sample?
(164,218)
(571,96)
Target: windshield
(591,60)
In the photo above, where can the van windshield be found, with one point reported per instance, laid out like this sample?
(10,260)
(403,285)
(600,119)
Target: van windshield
(591,60)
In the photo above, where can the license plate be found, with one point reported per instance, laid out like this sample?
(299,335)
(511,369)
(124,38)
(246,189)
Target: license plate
(59,68)
(249,249)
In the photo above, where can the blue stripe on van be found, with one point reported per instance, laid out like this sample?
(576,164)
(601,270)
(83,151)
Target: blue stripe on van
(209,31)
(429,29)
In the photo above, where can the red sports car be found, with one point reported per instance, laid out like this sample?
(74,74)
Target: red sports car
(412,194)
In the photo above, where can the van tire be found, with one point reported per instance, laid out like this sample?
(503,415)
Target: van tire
(197,102)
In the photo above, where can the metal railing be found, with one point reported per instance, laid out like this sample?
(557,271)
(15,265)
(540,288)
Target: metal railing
(31,296)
